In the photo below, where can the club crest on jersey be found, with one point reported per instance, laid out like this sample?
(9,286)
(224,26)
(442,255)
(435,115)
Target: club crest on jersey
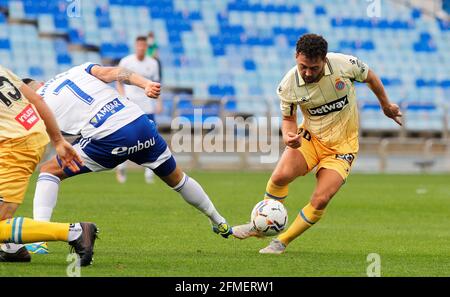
(340,85)
(330,107)
(105,112)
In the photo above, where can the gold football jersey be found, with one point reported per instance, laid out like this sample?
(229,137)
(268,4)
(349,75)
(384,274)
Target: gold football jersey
(329,107)
(18,117)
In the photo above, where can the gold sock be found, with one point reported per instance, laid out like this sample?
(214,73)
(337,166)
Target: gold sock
(307,217)
(25,230)
(276,192)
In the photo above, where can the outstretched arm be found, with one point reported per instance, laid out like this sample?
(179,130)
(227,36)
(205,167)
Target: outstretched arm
(125,76)
(391,110)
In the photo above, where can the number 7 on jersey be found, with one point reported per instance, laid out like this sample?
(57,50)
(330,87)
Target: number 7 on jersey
(75,90)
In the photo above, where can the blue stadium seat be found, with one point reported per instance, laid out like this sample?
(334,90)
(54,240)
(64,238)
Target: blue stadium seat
(373,119)
(251,41)
(36,71)
(2,18)
(249,65)
(64,59)
(5,44)
(424,117)
(16,9)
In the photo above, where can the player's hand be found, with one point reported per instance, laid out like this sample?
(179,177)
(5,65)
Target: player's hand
(293,140)
(68,156)
(152,89)
(393,111)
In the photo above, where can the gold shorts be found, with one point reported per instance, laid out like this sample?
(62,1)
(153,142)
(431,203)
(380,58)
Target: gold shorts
(18,159)
(318,155)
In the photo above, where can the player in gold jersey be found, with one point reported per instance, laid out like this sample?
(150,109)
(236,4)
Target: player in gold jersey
(24,119)
(322,85)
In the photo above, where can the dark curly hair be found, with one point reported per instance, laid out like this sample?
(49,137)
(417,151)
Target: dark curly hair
(313,46)
(27,80)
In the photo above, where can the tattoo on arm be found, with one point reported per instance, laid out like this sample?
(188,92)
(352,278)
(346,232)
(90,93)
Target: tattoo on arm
(124,76)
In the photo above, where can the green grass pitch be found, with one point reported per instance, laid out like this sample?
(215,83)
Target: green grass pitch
(148,230)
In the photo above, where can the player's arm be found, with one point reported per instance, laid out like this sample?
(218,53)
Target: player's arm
(391,110)
(64,150)
(289,112)
(289,131)
(126,76)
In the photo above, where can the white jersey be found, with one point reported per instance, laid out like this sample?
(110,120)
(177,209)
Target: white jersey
(149,69)
(84,105)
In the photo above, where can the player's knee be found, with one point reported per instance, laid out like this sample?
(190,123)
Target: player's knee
(280,179)
(174,178)
(45,168)
(49,167)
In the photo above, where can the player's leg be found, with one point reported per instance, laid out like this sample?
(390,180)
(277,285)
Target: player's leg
(19,164)
(16,231)
(45,197)
(121,173)
(328,183)
(149,176)
(47,189)
(159,159)
(192,192)
(291,165)
(50,176)
(332,172)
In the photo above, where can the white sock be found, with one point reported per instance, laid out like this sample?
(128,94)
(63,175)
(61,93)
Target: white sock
(148,173)
(122,166)
(194,194)
(10,247)
(75,231)
(45,196)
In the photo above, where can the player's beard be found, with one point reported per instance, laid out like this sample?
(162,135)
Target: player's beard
(309,79)
(314,79)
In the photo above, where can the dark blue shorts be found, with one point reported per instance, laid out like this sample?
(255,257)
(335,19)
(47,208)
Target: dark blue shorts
(138,141)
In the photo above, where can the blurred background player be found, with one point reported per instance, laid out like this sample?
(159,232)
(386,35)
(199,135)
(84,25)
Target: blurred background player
(112,131)
(322,84)
(148,67)
(24,117)
(153,51)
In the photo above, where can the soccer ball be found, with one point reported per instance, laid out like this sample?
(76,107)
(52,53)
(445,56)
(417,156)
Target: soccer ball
(269,217)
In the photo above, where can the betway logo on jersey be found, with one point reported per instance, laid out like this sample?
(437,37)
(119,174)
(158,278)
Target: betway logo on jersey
(105,112)
(330,107)
(123,150)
